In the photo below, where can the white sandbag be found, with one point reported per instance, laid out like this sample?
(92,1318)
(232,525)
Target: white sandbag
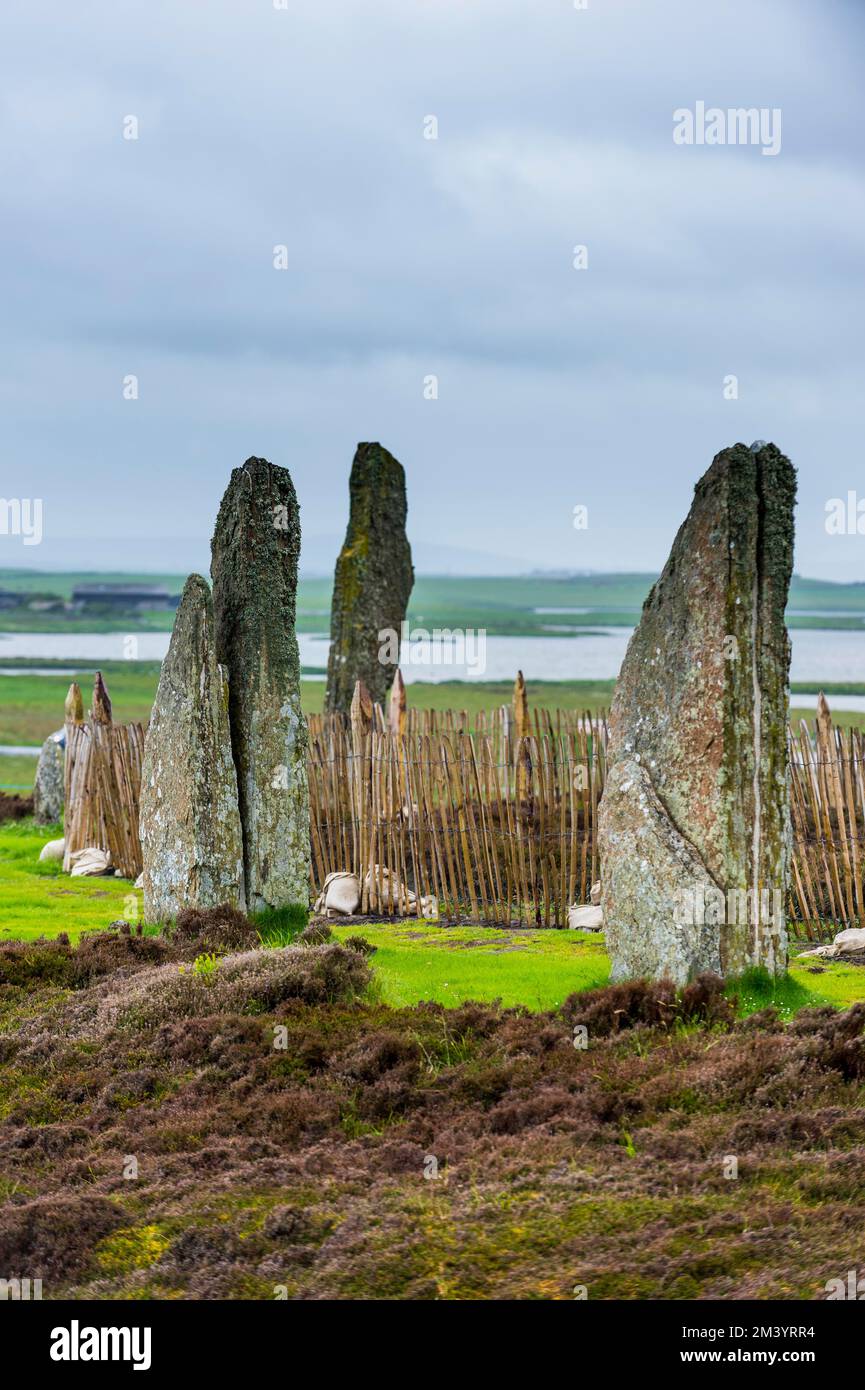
(587,918)
(52,849)
(340,896)
(90,863)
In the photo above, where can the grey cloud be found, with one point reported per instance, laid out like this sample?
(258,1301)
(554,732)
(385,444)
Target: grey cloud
(408,257)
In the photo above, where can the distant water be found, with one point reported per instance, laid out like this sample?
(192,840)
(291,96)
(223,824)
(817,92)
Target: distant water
(821,656)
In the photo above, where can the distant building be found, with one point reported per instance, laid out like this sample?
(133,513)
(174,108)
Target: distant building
(125,597)
(46,605)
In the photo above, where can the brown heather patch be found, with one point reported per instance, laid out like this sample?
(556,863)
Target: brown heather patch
(15,807)
(261,1166)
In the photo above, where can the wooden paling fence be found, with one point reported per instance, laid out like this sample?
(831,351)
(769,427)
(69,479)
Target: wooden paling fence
(491,817)
(828,811)
(486,821)
(102,783)
(501,826)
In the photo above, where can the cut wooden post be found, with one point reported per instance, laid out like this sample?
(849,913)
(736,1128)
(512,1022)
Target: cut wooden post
(360,719)
(521,731)
(521,706)
(361,711)
(74,707)
(397,723)
(73,721)
(397,714)
(100,710)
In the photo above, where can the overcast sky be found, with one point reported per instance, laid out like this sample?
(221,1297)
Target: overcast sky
(411,257)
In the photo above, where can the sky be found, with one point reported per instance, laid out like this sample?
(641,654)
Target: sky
(430,297)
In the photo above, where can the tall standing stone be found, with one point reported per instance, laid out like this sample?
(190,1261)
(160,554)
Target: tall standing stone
(694,825)
(372,583)
(189,819)
(255,550)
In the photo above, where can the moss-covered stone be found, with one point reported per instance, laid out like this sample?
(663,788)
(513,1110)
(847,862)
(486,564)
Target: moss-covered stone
(698,739)
(190,824)
(373,581)
(255,550)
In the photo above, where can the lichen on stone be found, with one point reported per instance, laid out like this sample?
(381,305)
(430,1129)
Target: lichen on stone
(189,817)
(255,551)
(702,700)
(373,579)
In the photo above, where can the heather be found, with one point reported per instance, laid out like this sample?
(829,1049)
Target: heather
(263,1126)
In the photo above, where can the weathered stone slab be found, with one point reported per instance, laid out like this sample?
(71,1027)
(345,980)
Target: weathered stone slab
(189,818)
(48,787)
(696,806)
(372,582)
(255,550)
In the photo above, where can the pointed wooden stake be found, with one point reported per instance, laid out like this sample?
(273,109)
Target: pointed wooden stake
(397,715)
(100,711)
(824,720)
(521,706)
(361,710)
(521,731)
(74,706)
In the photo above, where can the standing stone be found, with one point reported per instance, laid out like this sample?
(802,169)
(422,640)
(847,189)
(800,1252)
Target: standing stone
(694,825)
(48,787)
(372,583)
(190,823)
(255,550)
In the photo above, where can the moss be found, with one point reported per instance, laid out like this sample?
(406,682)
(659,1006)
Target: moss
(133,1247)
(373,578)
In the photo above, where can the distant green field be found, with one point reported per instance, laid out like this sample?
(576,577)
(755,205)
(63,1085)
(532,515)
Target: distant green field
(17,773)
(502,606)
(31,707)
(62,582)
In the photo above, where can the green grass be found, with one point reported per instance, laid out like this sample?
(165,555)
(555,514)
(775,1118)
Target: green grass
(62,582)
(448,965)
(414,960)
(147,620)
(757,989)
(40,900)
(279,926)
(17,773)
(837,983)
